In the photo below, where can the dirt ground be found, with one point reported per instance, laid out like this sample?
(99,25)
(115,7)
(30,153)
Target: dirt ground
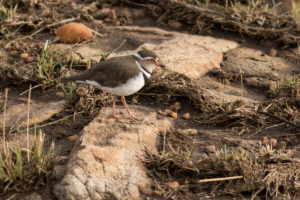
(243,140)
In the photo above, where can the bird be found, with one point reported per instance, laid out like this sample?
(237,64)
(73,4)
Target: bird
(121,76)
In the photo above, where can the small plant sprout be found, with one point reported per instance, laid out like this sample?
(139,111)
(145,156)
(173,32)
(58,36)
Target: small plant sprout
(48,67)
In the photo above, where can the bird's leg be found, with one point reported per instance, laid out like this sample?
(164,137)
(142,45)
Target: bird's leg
(126,106)
(114,108)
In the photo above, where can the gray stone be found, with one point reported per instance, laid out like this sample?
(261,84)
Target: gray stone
(257,82)
(32,196)
(192,55)
(16,113)
(253,63)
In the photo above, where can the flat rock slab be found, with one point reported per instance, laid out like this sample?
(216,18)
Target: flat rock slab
(254,63)
(192,55)
(16,113)
(106,160)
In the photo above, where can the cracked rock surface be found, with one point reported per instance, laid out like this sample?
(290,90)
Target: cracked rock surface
(106,160)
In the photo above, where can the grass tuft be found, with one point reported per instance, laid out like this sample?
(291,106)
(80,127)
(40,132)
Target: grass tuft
(19,174)
(70,91)
(49,67)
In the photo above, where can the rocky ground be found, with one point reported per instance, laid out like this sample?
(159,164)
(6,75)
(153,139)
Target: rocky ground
(221,108)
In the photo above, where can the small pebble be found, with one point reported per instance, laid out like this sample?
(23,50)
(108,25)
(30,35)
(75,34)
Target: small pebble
(60,94)
(174,115)
(24,55)
(189,131)
(186,116)
(29,59)
(174,24)
(211,149)
(272,52)
(173,184)
(73,138)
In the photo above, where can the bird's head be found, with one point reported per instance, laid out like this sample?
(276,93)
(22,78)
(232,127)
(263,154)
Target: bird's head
(148,60)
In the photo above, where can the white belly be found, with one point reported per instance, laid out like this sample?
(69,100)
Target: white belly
(130,87)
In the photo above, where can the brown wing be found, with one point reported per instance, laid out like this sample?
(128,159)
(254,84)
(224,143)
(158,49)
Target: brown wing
(109,73)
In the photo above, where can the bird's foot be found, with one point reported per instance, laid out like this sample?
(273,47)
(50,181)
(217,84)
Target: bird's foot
(116,116)
(133,117)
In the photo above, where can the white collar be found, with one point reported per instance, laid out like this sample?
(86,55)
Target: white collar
(147,74)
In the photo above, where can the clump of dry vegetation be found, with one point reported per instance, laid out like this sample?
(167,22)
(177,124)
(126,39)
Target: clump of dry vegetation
(288,88)
(49,67)
(255,18)
(22,169)
(239,116)
(231,170)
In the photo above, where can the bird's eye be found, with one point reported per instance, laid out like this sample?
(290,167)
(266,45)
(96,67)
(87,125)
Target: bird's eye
(151,61)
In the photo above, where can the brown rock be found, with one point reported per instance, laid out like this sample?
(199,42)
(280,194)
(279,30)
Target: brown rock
(74,32)
(186,116)
(24,55)
(257,82)
(174,24)
(60,94)
(252,63)
(29,59)
(107,159)
(173,184)
(211,149)
(174,115)
(272,52)
(193,56)
(189,131)
(73,138)
(16,114)
(168,112)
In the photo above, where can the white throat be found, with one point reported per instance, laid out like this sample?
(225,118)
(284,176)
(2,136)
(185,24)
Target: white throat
(147,74)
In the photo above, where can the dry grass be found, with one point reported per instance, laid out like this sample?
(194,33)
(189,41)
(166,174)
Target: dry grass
(239,116)
(22,169)
(254,18)
(288,87)
(265,171)
(20,174)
